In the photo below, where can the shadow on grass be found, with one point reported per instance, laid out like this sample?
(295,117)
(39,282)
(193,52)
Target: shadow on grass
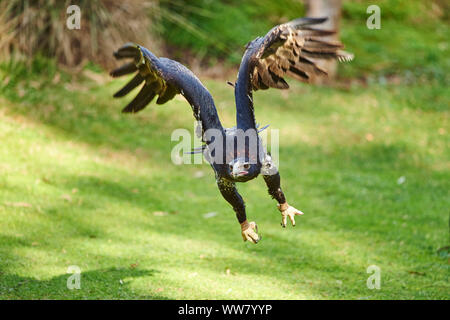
(111,281)
(101,283)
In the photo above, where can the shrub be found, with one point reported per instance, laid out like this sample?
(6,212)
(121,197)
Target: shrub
(31,27)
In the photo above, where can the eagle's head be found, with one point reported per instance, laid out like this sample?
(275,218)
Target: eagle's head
(240,169)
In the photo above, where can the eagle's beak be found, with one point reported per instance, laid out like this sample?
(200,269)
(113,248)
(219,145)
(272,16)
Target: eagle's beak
(237,171)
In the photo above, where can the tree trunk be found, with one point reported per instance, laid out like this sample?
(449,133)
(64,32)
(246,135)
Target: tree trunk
(332,10)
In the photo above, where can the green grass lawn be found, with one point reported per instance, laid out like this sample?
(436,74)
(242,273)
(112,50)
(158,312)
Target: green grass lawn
(80,183)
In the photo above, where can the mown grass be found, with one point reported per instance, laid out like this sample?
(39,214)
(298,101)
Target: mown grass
(80,183)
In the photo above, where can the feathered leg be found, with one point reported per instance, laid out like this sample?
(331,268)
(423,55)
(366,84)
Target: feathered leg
(273,181)
(228,190)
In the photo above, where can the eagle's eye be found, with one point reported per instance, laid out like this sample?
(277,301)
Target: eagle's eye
(246,166)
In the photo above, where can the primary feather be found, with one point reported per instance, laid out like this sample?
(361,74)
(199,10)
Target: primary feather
(164,78)
(286,50)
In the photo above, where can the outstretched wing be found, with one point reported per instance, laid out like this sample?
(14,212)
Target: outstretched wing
(164,78)
(286,50)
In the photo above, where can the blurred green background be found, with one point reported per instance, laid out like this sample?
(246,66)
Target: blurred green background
(366,157)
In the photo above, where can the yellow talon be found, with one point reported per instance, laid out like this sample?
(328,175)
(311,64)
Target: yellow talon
(249,231)
(288,211)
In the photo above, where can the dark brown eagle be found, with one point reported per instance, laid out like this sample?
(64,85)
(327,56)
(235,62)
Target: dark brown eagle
(236,154)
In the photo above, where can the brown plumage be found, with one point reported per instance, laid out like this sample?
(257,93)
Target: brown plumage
(287,50)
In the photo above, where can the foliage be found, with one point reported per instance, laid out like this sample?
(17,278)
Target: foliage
(39,27)
(222,28)
(409,44)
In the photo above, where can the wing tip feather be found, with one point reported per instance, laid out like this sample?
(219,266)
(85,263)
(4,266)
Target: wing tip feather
(306,21)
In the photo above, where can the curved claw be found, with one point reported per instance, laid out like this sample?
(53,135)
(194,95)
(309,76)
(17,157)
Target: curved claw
(288,211)
(249,231)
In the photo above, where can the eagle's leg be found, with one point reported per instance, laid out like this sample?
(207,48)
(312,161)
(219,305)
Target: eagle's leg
(228,190)
(273,181)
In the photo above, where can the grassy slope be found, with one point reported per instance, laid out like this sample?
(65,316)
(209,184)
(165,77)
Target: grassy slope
(79,183)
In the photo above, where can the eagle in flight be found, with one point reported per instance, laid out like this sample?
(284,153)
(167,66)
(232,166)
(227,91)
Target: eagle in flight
(236,154)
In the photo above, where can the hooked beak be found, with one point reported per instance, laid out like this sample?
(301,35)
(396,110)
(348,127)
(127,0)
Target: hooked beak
(238,172)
